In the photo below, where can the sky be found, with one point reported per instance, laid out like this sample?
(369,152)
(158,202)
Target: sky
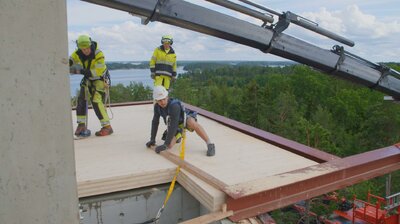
(374,26)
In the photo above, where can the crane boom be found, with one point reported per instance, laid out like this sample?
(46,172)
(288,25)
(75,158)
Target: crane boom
(268,39)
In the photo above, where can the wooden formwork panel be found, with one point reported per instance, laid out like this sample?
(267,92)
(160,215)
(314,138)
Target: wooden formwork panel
(121,161)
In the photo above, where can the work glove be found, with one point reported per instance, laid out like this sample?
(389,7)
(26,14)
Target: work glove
(75,68)
(72,70)
(150,143)
(86,73)
(153,75)
(173,78)
(161,148)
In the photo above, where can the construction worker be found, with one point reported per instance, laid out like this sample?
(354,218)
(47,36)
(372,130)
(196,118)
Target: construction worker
(163,63)
(177,118)
(88,60)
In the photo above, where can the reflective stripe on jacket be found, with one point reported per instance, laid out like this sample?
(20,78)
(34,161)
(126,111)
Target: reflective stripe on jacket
(96,60)
(163,63)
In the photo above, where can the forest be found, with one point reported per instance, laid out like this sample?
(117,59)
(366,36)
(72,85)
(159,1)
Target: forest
(295,102)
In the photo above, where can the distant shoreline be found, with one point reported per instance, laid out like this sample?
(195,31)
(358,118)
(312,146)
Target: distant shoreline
(116,65)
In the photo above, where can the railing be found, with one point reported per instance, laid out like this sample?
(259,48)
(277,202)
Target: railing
(361,211)
(392,201)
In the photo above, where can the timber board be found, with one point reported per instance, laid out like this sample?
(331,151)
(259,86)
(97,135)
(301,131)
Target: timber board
(121,161)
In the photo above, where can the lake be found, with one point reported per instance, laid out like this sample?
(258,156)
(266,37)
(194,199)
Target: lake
(124,77)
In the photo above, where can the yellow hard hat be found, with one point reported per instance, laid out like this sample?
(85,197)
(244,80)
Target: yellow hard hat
(167,38)
(83,42)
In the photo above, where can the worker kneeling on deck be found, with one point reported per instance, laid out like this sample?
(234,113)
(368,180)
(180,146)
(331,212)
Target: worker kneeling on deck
(177,118)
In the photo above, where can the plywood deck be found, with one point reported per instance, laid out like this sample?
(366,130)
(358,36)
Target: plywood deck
(121,161)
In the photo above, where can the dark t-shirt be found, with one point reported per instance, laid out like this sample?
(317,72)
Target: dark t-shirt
(172,115)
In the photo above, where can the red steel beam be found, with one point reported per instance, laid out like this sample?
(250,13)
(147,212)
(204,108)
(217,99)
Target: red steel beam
(342,172)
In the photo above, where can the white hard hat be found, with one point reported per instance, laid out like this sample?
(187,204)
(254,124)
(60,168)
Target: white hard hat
(159,93)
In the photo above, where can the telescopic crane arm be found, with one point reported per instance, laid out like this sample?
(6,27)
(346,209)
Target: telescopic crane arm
(269,38)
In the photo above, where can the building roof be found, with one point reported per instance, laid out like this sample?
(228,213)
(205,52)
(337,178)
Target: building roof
(253,171)
(122,161)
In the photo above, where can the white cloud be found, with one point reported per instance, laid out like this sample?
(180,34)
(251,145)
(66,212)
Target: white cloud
(122,37)
(375,39)
(83,14)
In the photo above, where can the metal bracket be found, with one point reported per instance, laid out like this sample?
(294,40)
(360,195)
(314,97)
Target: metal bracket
(282,24)
(154,14)
(81,210)
(385,71)
(341,52)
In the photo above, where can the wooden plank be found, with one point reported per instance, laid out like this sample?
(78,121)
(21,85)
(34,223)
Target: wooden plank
(210,197)
(209,179)
(337,170)
(121,161)
(209,218)
(287,144)
(239,158)
(121,183)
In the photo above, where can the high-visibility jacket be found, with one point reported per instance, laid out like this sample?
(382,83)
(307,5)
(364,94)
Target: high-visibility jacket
(95,61)
(163,62)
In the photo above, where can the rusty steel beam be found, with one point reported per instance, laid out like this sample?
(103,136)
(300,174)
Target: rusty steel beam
(289,145)
(342,173)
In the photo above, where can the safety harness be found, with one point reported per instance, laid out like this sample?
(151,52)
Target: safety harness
(166,116)
(105,76)
(181,155)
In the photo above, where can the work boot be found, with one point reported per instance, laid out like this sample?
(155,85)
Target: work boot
(178,137)
(104,131)
(164,135)
(81,128)
(210,149)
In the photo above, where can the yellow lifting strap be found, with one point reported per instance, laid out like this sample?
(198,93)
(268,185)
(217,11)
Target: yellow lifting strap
(171,187)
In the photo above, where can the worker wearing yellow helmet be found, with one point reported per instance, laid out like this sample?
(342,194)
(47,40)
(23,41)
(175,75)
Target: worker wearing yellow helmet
(163,63)
(89,61)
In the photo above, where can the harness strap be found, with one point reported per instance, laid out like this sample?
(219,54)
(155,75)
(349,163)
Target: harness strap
(171,187)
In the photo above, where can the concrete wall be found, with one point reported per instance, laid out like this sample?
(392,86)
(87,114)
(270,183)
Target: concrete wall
(37,166)
(140,205)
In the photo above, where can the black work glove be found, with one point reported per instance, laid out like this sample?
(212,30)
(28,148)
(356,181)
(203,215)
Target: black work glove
(72,70)
(161,148)
(86,73)
(150,143)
